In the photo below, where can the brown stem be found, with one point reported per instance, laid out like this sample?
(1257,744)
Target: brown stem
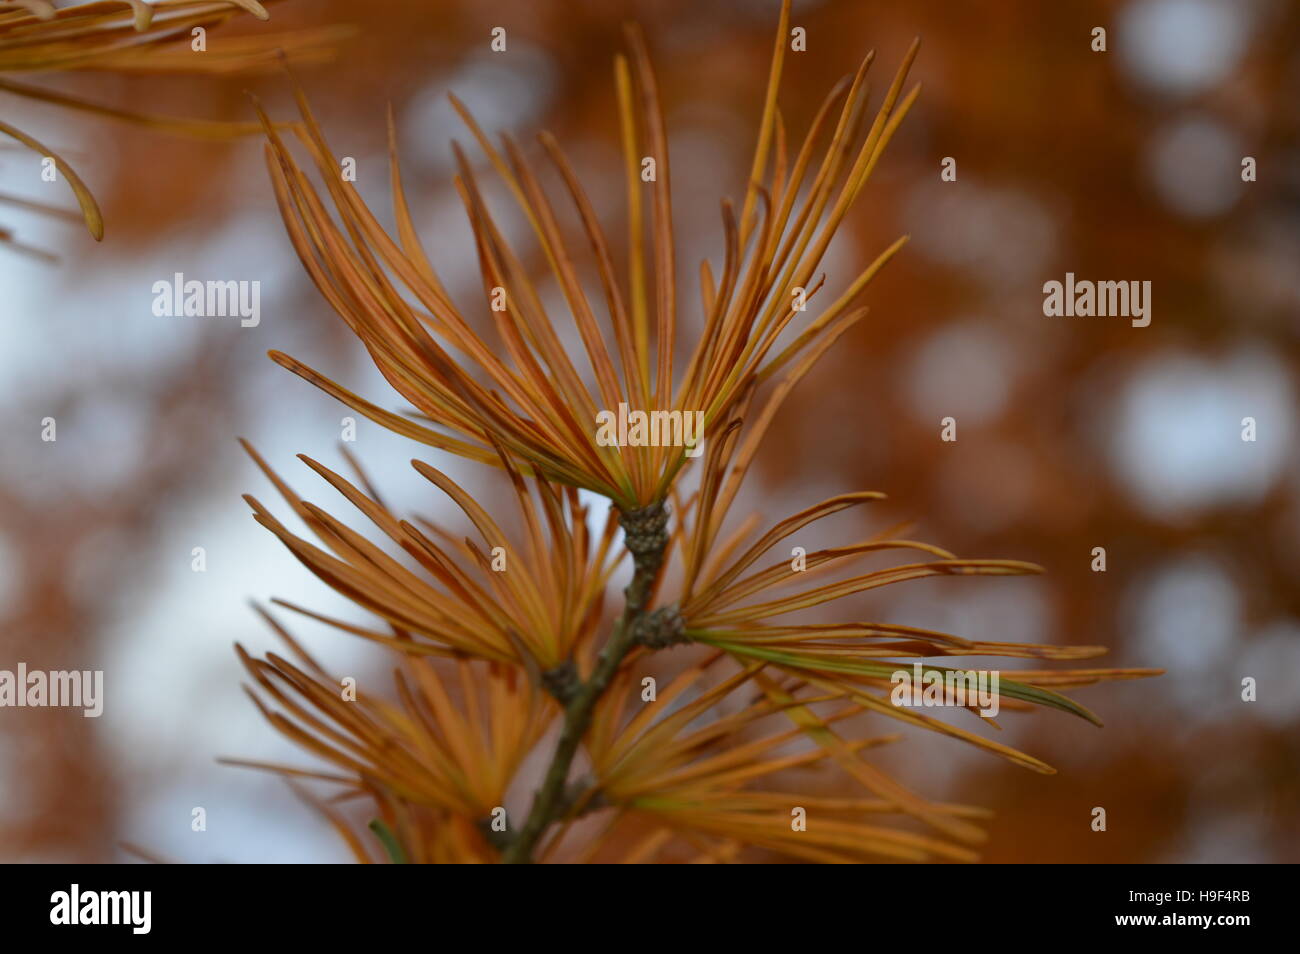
(645,533)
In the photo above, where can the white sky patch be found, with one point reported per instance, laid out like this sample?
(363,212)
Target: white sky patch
(503,92)
(1186,617)
(961,369)
(1175,444)
(1182,47)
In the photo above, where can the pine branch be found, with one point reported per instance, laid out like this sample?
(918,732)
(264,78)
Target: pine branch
(645,533)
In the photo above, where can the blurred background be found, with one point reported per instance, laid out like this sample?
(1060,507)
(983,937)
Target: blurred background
(1073,433)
